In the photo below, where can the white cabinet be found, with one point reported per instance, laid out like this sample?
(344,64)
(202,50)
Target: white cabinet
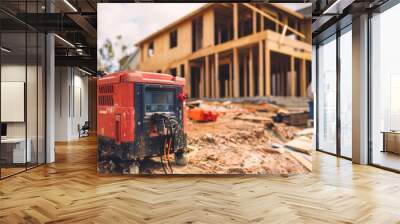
(17,146)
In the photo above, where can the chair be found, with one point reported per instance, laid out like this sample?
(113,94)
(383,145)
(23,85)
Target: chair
(84,130)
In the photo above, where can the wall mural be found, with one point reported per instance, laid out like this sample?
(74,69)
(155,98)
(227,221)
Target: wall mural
(194,94)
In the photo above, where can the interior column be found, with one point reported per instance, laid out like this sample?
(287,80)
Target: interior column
(50,93)
(360,90)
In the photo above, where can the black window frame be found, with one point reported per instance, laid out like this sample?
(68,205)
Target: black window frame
(150,46)
(173,39)
(333,36)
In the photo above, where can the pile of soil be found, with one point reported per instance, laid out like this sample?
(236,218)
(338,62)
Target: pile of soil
(232,145)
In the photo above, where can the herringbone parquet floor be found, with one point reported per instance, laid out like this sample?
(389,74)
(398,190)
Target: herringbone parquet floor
(70,191)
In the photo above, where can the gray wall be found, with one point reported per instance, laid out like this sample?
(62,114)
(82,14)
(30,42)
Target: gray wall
(71,102)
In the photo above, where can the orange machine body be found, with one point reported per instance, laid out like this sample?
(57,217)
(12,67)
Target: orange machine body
(123,113)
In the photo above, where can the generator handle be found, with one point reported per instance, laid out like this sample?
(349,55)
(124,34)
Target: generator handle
(118,128)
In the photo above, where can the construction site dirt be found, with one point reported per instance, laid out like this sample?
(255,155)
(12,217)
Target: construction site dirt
(245,139)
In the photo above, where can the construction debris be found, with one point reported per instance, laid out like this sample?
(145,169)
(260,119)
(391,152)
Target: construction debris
(296,118)
(292,118)
(199,114)
(306,132)
(253,118)
(301,144)
(304,162)
(244,140)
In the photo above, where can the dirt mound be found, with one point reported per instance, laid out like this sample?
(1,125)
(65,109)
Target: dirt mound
(252,144)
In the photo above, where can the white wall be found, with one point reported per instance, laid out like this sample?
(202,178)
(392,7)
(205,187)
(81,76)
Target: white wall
(15,73)
(71,94)
(34,125)
(62,83)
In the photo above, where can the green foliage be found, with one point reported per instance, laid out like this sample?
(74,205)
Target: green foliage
(108,61)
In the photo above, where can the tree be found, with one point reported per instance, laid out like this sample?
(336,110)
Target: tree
(110,55)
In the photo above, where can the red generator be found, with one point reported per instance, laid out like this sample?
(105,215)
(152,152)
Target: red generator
(139,115)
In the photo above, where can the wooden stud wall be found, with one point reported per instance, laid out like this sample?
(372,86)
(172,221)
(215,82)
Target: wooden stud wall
(261,69)
(211,56)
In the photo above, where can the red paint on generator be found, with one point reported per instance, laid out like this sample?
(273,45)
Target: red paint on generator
(139,115)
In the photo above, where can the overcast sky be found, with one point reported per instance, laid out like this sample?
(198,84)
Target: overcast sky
(134,21)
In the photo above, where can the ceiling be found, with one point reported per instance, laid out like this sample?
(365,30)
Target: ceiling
(75,23)
(331,15)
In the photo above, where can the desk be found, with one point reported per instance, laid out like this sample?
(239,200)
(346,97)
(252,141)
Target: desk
(13,150)
(391,141)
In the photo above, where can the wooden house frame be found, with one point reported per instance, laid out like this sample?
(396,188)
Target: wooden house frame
(234,50)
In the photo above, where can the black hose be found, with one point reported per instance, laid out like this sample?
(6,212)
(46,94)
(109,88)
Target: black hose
(167,140)
(169,146)
(161,154)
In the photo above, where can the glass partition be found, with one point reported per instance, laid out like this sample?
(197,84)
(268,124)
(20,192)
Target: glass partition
(327,95)
(346,92)
(385,89)
(22,77)
(14,153)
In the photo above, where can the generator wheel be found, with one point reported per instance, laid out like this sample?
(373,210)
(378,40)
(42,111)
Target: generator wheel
(134,168)
(181,159)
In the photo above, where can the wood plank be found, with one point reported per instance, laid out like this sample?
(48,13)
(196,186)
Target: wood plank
(267,70)
(71,191)
(188,78)
(235,21)
(226,88)
(230,78)
(236,89)
(201,83)
(254,22)
(212,78)
(293,80)
(303,78)
(251,73)
(305,132)
(261,69)
(261,23)
(262,13)
(217,89)
(252,118)
(283,49)
(207,78)
(287,41)
(245,74)
(307,164)
(208,28)
(291,47)
(301,144)
(288,10)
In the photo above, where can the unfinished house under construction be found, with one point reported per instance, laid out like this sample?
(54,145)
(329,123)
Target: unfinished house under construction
(234,50)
